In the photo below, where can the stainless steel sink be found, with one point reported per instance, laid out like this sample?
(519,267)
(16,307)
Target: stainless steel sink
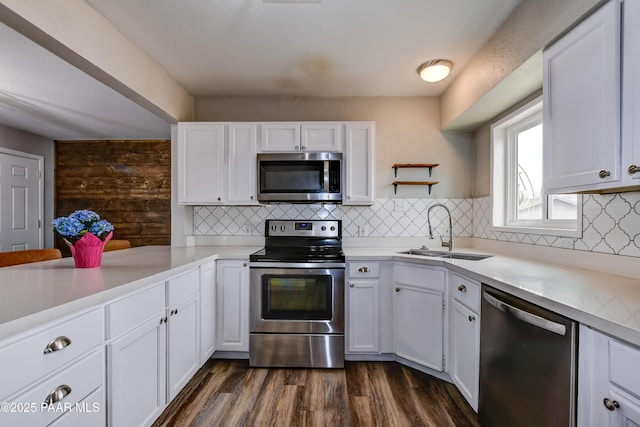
(446,254)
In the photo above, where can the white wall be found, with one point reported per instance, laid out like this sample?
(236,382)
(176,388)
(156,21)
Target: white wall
(33,144)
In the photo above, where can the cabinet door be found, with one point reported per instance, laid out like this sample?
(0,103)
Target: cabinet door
(207,311)
(241,164)
(363,331)
(418,325)
(232,301)
(200,163)
(631,94)
(280,136)
(359,159)
(183,345)
(464,358)
(582,105)
(137,375)
(320,137)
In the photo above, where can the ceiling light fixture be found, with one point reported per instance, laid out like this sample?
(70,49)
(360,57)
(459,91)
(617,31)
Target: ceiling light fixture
(435,70)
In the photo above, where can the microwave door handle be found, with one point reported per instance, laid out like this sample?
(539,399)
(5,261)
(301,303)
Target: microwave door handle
(326,176)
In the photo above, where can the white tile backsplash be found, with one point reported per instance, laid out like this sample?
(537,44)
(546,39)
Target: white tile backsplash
(611,223)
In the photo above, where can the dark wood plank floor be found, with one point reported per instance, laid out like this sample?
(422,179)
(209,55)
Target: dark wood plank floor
(229,393)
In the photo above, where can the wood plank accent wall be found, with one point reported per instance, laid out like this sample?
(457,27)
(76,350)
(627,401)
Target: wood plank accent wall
(127,182)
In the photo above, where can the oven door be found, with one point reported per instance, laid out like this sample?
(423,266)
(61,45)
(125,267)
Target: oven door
(286,299)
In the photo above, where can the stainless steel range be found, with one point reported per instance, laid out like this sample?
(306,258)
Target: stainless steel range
(297,296)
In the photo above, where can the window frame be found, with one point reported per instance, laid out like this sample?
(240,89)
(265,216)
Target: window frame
(503,183)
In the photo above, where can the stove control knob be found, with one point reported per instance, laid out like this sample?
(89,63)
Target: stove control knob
(282,227)
(332,228)
(274,227)
(323,228)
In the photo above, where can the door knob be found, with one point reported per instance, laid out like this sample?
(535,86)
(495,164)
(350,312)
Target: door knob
(611,405)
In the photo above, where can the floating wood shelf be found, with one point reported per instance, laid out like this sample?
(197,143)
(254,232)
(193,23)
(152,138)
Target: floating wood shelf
(429,183)
(429,166)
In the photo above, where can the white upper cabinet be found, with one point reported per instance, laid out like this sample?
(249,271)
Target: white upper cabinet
(631,95)
(582,105)
(300,136)
(280,136)
(241,164)
(321,136)
(200,163)
(217,161)
(359,163)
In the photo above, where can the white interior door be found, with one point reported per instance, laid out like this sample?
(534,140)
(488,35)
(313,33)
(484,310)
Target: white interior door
(20,202)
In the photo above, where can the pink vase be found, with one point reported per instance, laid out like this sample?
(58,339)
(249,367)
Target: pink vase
(87,252)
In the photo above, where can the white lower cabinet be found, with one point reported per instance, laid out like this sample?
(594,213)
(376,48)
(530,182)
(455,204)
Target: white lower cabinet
(153,348)
(464,336)
(137,374)
(418,314)
(608,381)
(363,307)
(207,311)
(232,306)
(50,371)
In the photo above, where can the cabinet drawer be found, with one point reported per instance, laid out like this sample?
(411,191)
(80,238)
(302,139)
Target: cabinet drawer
(183,285)
(25,360)
(466,291)
(364,269)
(78,381)
(90,412)
(418,276)
(132,310)
(623,367)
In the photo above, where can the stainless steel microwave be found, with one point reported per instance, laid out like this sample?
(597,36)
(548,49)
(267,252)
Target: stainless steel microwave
(300,177)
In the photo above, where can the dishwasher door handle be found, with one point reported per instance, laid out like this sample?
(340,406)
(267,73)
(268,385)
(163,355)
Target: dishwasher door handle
(525,316)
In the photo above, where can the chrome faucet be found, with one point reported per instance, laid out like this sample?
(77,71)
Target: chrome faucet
(448,244)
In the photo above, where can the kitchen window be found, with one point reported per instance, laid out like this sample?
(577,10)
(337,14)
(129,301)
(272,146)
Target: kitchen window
(520,203)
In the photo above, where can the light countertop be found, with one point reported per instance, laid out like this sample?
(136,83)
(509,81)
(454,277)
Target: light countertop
(606,302)
(32,294)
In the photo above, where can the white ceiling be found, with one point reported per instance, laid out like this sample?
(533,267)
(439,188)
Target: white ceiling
(246,48)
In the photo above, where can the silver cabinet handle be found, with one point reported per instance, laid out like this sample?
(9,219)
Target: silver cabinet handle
(462,288)
(57,344)
(611,405)
(472,318)
(603,174)
(351,285)
(397,289)
(634,169)
(532,319)
(57,394)
(363,269)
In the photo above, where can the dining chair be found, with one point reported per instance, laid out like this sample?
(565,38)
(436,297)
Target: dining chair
(114,245)
(27,256)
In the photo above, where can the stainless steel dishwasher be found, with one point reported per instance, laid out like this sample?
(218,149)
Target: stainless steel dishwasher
(527,364)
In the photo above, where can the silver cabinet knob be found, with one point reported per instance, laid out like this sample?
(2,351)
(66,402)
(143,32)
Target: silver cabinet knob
(297,147)
(611,405)
(219,198)
(397,289)
(472,318)
(603,174)
(244,264)
(57,344)
(462,288)
(363,269)
(634,169)
(351,285)
(57,394)
(163,320)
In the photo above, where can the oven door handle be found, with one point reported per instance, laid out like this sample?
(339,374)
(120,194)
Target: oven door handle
(301,265)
